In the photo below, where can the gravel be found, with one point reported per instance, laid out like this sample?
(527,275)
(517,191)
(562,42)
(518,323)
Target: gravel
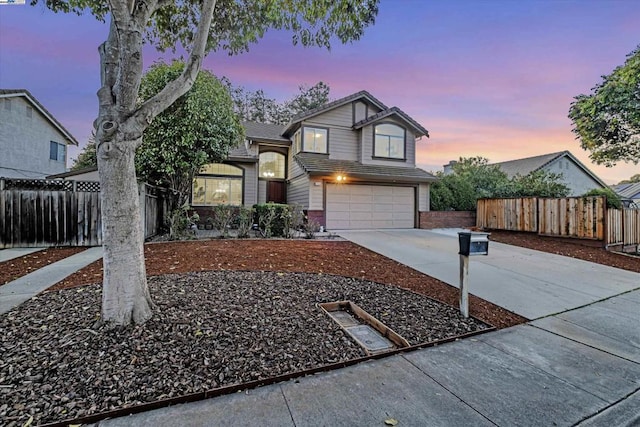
(211,329)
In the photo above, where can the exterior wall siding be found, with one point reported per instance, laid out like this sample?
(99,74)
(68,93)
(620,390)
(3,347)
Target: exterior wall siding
(574,177)
(24,142)
(262,191)
(316,195)
(423,197)
(250,183)
(298,191)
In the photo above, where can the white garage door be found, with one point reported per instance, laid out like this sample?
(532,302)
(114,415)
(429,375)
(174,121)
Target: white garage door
(369,206)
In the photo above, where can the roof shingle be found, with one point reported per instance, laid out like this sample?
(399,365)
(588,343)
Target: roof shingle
(315,164)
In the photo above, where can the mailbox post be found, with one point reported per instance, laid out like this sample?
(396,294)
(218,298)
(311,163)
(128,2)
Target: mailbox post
(471,243)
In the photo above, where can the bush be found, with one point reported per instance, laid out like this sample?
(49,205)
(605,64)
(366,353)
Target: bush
(243,221)
(270,218)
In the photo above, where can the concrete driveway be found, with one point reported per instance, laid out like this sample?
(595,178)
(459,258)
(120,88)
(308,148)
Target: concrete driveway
(530,283)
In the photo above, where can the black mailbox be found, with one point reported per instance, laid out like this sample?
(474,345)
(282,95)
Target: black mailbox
(473,243)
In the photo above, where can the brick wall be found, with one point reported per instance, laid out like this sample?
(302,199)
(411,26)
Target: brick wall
(447,219)
(318,216)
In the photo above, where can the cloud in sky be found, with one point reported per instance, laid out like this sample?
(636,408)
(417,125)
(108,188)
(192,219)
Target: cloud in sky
(492,78)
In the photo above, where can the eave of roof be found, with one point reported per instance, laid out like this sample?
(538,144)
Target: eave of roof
(12,93)
(320,165)
(256,131)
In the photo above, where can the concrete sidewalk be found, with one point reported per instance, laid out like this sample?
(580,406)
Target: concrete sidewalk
(576,367)
(9,254)
(15,293)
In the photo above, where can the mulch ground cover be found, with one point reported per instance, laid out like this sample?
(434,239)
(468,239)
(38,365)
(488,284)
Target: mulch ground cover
(21,266)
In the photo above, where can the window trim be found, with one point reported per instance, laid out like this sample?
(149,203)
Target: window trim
(302,142)
(374,155)
(240,178)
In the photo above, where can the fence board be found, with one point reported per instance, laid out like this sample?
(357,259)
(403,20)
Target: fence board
(631,227)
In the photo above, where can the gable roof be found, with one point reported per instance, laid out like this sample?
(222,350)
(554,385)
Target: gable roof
(14,93)
(394,111)
(264,131)
(629,190)
(531,164)
(363,94)
(315,164)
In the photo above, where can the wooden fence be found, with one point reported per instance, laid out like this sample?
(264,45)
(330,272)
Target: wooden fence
(42,213)
(578,217)
(623,228)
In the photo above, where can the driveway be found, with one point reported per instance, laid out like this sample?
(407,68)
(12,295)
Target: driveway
(530,283)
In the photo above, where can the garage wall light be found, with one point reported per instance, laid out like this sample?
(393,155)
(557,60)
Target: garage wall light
(341,178)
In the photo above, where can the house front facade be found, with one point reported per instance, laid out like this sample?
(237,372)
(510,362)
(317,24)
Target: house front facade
(350,164)
(33,143)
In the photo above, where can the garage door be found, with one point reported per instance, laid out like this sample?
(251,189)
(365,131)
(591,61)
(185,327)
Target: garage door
(369,206)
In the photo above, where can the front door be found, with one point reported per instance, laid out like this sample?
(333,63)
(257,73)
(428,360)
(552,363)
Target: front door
(276,192)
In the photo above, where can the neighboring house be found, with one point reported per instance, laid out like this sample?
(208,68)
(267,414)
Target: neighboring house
(350,164)
(576,176)
(629,193)
(33,143)
(84,174)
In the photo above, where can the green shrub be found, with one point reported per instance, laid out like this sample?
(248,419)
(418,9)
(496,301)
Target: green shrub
(270,218)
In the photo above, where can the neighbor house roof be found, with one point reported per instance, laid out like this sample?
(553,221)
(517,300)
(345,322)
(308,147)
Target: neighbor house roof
(14,93)
(628,191)
(531,164)
(315,164)
(363,94)
(67,174)
(396,112)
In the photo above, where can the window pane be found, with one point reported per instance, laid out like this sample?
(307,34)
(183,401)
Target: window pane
(315,140)
(221,169)
(53,150)
(61,150)
(389,141)
(389,129)
(382,146)
(396,148)
(271,165)
(235,196)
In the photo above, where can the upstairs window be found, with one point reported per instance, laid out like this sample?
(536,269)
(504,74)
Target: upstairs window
(57,151)
(389,141)
(297,146)
(314,140)
(271,165)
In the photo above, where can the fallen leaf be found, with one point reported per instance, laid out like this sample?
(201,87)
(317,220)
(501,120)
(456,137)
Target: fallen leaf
(391,422)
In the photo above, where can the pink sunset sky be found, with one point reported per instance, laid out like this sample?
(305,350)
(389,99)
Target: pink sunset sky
(487,78)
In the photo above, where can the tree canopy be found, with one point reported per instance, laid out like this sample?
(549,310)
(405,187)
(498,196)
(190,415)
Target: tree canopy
(199,128)
(607,121)
(635,178)
(257,107)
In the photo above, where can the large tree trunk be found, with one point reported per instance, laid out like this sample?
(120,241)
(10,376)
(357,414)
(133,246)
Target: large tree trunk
(119,128)
(125,295)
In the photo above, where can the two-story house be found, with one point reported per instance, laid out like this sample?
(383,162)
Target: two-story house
(350,164)
(33,143)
